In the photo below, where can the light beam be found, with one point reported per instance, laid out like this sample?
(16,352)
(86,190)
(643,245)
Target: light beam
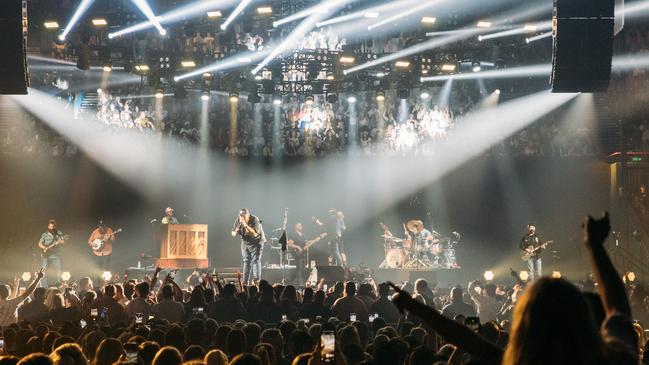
(242,5)
(85,4)
(148,12)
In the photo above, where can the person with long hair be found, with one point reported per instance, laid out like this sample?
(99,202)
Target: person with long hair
(108,352)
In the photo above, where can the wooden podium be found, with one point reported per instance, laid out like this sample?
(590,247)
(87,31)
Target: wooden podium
(183,246)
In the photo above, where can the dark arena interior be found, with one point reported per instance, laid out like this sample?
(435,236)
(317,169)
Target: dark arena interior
(273,182)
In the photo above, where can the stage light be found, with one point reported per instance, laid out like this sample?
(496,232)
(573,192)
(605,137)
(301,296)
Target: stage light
(99,91)
(207,75)
(277,100)
(108,67)
(148,12)
(508,73)
(497,91)
(234,96)
(449,67)
(517,30)
(488,275)
(242,5)
(424,94)
(99,22)
(26,276)
(51,25)
(188,64)
(380,74)
(484,24)
(537,37)
(141,68)
(205,96)
(380,95)
(214,14)
(308,100)
(107,275)
(530,28)
(371,15)
(264,10)
(65,276)
(630,276)
(159,94)
(83,6)
(406,12)
(428,20)
(402,64)
(244,59)
(556,275)
(330,76)
(475,66)
(332,98)
(524,275)
(351,99)
(347,59)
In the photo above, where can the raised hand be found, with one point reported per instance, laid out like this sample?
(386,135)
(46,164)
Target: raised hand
(594,230)
(40,273)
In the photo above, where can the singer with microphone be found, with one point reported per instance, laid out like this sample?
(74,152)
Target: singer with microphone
(249,228)
(169,217)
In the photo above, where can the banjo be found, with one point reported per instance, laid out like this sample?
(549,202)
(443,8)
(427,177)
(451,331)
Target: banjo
(98,243)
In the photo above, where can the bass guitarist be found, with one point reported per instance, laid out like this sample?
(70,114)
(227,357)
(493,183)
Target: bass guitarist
(50,243)
(101,242)
(249,228)
(532,246)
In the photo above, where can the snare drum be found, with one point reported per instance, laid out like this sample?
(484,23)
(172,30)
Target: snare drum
(395,257)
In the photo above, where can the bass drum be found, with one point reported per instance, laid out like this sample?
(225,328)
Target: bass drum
(395,257)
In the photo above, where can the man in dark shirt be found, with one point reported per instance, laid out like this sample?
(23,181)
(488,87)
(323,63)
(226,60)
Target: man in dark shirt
(458,306)
(383,306)
(249,228)
(532,242)
(227,308)
(334,227)
(35,311)
(50,244)
(113,310)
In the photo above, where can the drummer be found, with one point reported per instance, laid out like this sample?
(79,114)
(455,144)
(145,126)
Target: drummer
(422,238)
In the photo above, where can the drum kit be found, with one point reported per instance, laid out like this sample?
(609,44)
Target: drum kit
(417,252)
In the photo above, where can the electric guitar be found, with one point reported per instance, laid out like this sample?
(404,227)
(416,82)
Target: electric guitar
(529,252)
(98,244)
(312,242)
(58,242)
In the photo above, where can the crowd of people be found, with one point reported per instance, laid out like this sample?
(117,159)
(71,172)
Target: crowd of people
(549,321)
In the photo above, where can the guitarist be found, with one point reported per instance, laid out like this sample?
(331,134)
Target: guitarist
(249,228)
(103,254)
(299,245)
(50,243)
(532,241)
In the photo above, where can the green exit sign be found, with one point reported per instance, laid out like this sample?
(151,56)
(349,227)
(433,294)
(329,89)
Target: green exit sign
(636,159)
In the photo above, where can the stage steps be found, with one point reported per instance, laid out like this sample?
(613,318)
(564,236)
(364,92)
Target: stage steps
(89,103)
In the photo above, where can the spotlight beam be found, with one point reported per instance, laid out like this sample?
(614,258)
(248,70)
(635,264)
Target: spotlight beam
(85,4)
(361,13)
(404,13)
(300,31)
(148,12)
(184,12)
(435,43)
(517,30)
(226,64)
(538,37)
(242,5)
(524,71)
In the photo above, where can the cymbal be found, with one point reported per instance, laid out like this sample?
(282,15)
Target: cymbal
(392,238)
(413,224)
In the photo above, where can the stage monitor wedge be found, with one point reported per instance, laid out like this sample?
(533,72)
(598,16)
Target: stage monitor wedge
(13,62)
(582,46)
